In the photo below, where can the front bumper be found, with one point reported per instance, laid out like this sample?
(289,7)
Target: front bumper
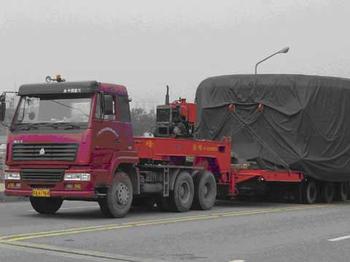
(63,189)
(69,194)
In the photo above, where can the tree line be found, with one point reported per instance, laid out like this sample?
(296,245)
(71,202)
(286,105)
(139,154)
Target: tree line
(143,121)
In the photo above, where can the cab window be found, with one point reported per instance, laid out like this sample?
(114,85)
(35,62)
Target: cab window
(105,107)
(98,111)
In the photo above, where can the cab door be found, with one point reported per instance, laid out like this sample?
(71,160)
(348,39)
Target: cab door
(125,127)
(106,138)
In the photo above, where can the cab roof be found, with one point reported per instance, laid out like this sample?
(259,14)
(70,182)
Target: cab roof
(81,87)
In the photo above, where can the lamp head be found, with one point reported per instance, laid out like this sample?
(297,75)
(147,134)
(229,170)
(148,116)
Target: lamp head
(284,50)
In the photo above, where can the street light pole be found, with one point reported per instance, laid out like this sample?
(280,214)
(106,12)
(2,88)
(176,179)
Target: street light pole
(282,51)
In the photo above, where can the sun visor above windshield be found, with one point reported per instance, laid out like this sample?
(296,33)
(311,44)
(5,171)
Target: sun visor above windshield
(58,88)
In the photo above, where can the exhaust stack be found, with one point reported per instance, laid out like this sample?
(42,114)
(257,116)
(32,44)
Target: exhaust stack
(167,95)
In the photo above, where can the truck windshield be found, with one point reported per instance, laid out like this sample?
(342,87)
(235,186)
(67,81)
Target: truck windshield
(52,112)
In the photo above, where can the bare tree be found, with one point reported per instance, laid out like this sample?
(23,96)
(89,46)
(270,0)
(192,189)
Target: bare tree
(142,121)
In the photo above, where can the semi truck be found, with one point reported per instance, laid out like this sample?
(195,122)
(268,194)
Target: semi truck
(74,141)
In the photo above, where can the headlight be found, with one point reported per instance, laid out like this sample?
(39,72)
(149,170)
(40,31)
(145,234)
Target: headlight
(77,177)
(12,176)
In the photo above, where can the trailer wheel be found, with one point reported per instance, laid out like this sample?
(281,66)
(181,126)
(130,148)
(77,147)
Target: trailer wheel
(119,197)
(183,193)
(308,192)
(342,191)
(327,192)
(47,206)
(204,191)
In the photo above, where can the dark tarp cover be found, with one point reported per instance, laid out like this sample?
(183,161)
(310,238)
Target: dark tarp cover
(303,123)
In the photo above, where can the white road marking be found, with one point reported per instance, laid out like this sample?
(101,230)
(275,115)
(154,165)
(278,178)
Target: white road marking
(237,260)
(339,238)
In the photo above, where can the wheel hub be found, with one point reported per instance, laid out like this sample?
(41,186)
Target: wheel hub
(123,194)
(184,192)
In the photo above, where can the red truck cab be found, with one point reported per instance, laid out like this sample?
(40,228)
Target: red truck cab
(66,139)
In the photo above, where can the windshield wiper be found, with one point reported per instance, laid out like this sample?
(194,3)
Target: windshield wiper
(67,125)
(64,125)
(57,125)
(25,126)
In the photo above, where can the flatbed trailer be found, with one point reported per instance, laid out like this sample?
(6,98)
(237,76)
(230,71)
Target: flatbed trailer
(212,156)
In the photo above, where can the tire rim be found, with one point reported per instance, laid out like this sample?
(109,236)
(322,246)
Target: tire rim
(206,190)
(184,192)
(123,194)
(312,192)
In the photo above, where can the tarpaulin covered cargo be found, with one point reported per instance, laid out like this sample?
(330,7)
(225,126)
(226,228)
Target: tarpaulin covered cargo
(297,122)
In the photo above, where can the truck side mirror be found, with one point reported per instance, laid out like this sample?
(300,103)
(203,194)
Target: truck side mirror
(108,105)
(2,107)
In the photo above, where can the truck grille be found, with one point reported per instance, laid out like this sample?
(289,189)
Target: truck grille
(53,152)
(42,175)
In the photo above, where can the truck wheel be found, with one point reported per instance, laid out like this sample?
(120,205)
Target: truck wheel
(119,197)
(47,206)
(182,196)
(327,192)
(342,191)
(309,192)
(204,191)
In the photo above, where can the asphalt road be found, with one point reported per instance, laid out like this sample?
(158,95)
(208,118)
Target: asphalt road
(232,231)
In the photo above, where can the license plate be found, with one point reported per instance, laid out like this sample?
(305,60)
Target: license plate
(41,192)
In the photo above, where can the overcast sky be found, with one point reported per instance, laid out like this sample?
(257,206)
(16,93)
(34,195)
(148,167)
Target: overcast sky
(145,45)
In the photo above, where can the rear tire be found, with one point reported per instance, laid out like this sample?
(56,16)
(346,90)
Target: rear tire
(119,197)
(308,192)
(342,191)
(327,192)
(182,196)
(46,206)
(204,191)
